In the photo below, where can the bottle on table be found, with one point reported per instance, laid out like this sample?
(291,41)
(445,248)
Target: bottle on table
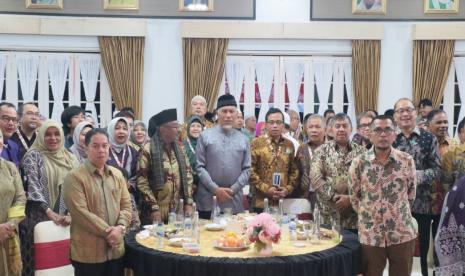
(196,228)
(266,207)
(293,229)
(194,209)
(280,211)
(160,235)
(180,215)
(215,214)
(188,226)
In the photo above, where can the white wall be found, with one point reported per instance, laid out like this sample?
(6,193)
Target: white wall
(163,75)
(163,72)
(283,10)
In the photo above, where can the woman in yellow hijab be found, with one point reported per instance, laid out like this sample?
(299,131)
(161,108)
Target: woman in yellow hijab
(44,167)
(12,202)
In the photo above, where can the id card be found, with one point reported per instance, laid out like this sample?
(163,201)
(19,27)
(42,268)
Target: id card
(277,179)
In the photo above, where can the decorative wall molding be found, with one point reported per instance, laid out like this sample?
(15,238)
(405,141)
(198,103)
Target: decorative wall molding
(251,30)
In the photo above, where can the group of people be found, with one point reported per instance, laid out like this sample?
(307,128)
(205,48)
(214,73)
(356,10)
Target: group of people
(392,175)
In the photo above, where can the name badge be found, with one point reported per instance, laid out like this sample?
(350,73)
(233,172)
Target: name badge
(277,179)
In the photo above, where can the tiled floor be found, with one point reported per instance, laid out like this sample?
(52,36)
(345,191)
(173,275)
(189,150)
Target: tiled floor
(416,270)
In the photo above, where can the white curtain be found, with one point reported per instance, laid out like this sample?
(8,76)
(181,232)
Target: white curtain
(294,72)
(28,65)
(265,74)
(323,77)
(90,69)
(2,72)
(459,63)
(249,90)
(347,67)
(58,66)
(235,73)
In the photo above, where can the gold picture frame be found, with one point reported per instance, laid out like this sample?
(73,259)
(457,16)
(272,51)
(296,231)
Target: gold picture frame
(369,7)
(441,6)
(44,4)
(120,4)
(196,5)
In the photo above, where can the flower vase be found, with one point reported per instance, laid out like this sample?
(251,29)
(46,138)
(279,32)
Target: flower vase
(264,249)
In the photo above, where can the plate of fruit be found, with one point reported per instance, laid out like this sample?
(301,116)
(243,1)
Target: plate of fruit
(231,242)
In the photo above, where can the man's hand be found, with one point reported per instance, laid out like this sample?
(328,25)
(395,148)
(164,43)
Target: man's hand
(156,216)
(282,193)
(342,202)
(188,210)
(115,235)
(224,194)
(6,231)
(273,192)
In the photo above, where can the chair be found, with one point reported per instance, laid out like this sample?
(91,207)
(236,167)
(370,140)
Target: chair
(298,206)
(51,250)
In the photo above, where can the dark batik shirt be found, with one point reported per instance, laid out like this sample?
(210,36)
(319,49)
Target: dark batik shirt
(423,147)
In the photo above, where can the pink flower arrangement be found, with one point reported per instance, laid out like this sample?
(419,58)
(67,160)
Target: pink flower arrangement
(263,231)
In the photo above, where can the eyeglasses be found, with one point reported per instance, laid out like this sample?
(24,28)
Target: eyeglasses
(32,114)
(380,131)
(364,126)
(6,119)
(278,123)
(409,110)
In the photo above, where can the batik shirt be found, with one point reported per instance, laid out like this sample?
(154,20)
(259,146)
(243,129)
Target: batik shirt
(269,157)
(172,191)
(329,169)
(453,166)
(381,195)
(438,189)
(423,147)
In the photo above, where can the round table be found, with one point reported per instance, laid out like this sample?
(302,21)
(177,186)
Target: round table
(343,259)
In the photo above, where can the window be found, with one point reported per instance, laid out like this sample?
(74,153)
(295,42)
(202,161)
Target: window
(57,89)
(293,82)
(451,102)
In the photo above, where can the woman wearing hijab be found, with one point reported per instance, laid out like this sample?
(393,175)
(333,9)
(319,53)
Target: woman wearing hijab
(449,243)
(79,136)
(194,128)
(12,205)
(124,157)
(44,167)
(139,134)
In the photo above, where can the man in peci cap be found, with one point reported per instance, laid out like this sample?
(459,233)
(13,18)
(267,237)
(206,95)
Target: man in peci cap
(223,161)
(164,174)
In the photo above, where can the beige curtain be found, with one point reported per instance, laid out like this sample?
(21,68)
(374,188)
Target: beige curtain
(431,64)
(204,60)
(123,61)
(366,57)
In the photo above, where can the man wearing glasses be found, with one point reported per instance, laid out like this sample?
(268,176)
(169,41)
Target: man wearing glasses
(274,171)
(423,147)
(363,126)
(382,189)
(8,126)
(29,122)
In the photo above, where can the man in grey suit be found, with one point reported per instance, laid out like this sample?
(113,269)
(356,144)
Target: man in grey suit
(223,162)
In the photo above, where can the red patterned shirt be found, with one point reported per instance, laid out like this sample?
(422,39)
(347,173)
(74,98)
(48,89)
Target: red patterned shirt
(382,195)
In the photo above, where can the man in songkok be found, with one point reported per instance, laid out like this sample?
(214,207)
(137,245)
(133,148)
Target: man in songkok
(223,162)
(165,175)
